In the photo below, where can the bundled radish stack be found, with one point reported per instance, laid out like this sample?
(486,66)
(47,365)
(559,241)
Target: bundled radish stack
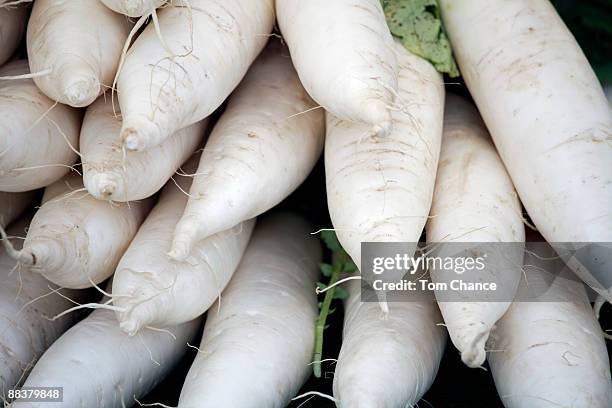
(149,155)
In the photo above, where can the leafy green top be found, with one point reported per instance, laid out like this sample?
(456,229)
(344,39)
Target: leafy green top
(418,25)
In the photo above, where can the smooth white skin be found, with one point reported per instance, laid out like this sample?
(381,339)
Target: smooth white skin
(13,204)
(111,173)
(343,52)
(474,201)
(33,150)
(133,8)
(80,41)
(379,189)
(75,239)
(546,112)
(263,147)
(27,331)
(12,26)
(213,43)
(392,362)
(100,366)
(258,341)
(157,291)
(551,353)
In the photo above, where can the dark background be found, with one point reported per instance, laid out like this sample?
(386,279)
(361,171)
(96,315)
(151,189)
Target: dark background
(456,386)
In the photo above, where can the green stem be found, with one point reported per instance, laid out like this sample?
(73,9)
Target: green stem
(320,326)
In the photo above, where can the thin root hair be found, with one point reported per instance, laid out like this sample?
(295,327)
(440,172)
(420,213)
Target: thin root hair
(31,75)
(318,291)
(315,393)
(154,404)
(104,305)
(157,329)
(157,363)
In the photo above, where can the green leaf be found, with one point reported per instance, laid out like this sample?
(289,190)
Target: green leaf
(340,293)
(326,269)
(331,241)
(418,25)
(321,285)
(349,266)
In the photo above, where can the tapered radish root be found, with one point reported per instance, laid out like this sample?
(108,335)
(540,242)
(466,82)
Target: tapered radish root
(263,147)
(12,26)
(207,48)
(400,353)
(263,327)
(80,41)
(134,8)
(474,201)
(546,112)
(27,308)
(157,291)
(38,136)
(343,52)
(75,240)
(13,204)
(111,173)
(126,368)
(380,188)
(549,352)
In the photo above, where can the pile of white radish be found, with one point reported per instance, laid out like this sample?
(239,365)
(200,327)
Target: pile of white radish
(156,192)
